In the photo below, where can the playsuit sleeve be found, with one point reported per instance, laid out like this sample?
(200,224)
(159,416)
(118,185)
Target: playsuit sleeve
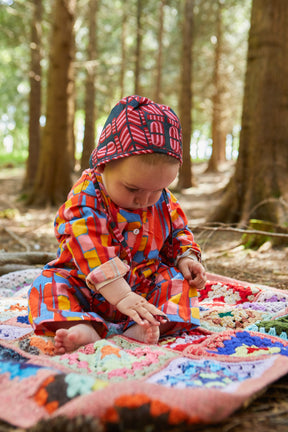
(182,237)
(86,242)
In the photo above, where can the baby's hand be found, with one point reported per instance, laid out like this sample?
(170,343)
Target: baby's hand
(193,272)
(140,310)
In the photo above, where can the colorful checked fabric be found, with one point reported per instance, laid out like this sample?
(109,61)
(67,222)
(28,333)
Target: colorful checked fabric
(94,233)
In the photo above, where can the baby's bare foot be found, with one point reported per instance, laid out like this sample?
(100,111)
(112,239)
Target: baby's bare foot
(146,333)
(67,340)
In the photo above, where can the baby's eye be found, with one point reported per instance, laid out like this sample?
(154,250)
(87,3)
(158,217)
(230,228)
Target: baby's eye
(130,189)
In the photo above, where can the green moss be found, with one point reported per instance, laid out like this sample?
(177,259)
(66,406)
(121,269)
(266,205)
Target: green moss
(254,241)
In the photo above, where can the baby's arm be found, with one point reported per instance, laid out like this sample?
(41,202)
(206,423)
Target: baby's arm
(193,271)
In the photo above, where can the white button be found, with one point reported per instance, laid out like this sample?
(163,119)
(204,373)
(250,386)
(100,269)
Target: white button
(125,261)
(136,231)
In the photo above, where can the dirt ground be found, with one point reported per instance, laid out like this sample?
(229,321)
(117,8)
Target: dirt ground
(31,230)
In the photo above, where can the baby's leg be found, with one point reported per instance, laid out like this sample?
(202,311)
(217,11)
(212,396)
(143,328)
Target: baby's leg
(146,333)
(50,296)
(69,339)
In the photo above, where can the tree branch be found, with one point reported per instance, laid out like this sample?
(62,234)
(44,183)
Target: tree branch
(23,258)
(228,228)
(16,238)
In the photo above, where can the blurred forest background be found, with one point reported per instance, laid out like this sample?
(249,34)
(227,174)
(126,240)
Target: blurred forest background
(221,64)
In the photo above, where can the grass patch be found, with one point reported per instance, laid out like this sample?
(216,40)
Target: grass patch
(13,160)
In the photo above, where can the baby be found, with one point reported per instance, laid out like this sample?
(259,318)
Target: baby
(126,256)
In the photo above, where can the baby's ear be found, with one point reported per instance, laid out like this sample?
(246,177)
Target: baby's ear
(101,168)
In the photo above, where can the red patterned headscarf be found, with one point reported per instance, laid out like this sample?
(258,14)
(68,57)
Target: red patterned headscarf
(137,125)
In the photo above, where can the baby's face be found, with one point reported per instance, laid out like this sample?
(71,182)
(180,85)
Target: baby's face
(134,184)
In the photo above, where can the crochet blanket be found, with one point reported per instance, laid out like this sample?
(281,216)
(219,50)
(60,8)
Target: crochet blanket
(198,377)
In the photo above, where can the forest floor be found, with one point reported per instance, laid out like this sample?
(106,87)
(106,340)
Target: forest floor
(25,229)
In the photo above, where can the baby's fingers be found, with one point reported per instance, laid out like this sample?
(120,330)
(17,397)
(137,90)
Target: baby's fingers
(163,319)
(136,317)
(157,314)
(140,314)
(198,281)
(149,315)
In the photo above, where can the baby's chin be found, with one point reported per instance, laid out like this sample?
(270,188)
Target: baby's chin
(133,208)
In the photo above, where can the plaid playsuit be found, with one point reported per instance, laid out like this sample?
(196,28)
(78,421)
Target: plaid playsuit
(99,241)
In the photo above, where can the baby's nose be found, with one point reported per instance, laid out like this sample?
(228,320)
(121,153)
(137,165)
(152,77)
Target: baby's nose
(143,199)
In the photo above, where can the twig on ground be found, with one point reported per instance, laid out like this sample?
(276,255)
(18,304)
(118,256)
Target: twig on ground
(237,230)
(17,239)
(227,249)
(26,257)
(35,228)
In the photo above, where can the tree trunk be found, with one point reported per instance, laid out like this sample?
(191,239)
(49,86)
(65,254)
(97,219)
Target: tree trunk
(57,153)
(123,48)
(259,186)
(158,87)
(139,37)
(218,137)
(89,132)
(185,103)
(34,98)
